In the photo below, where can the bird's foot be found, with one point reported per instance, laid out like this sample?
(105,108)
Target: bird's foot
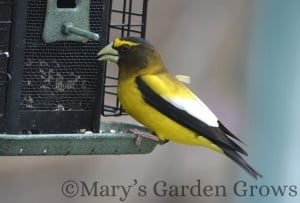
(141,134)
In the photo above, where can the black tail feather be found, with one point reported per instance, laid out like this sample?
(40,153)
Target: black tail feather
(225,130)
(225,142)
(234,156)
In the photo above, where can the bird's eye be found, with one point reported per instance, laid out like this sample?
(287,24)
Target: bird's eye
(125,48)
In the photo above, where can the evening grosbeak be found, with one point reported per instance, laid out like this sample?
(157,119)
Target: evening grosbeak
(158,100)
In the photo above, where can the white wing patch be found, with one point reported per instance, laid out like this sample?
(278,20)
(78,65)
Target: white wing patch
(195,107)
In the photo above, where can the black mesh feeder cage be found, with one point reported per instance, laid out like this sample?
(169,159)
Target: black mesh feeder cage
(53,91)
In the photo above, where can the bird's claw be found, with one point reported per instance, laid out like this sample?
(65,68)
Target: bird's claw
(138,140)
(141,134)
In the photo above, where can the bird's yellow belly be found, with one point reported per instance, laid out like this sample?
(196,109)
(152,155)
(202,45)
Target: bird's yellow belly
(165,128)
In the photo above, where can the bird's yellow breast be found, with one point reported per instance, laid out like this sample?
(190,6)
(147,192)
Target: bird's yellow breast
(165,128)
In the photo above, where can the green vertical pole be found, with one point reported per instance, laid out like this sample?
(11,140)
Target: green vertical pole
(273,90)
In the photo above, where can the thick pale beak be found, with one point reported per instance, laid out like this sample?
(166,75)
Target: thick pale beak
(108,53)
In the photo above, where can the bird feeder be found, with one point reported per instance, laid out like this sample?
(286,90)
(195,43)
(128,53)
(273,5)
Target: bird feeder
(53,91)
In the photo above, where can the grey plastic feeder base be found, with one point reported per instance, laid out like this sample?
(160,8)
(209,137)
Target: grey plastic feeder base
(113,138)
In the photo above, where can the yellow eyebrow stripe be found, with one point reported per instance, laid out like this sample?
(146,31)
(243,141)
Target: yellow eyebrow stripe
(118,42)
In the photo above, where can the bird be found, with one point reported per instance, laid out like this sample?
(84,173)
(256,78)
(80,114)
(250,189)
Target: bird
(158,100)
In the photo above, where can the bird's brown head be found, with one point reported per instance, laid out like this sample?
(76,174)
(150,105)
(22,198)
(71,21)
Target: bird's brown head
(132,54)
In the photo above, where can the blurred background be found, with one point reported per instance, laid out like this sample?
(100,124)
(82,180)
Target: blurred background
(244,58)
